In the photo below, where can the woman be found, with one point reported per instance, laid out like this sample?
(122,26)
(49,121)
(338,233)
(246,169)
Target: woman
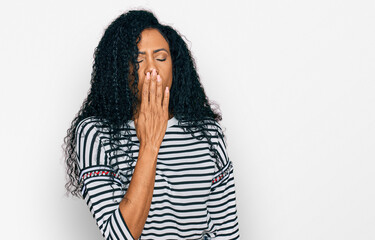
(146,151)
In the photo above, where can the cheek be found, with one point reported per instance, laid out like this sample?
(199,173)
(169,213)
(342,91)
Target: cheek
(140,85)
(169,77)
(167,83)
(170,81)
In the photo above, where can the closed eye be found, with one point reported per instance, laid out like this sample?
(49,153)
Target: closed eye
(161,60)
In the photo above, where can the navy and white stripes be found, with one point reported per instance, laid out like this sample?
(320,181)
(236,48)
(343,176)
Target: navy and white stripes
(192,197)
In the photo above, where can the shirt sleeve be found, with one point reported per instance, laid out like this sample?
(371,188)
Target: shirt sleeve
(101,188)
(222,200)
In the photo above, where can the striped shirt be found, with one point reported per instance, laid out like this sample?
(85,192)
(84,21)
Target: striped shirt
(193,198)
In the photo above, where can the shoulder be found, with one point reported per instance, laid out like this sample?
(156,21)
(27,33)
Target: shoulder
(210,125)
(216,129)
(88,142)
(86,126)
(91,127)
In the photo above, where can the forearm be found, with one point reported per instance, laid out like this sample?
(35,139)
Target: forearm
(135,205)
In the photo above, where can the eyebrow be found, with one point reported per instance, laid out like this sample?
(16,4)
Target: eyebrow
(155,51)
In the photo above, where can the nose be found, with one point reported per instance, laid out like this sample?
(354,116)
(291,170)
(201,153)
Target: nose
(150,70)
(150,66)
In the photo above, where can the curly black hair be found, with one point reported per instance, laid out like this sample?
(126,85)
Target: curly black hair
(114,101)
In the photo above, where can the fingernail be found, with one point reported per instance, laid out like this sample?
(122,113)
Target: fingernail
(148,75)
(153,71)
(158,78)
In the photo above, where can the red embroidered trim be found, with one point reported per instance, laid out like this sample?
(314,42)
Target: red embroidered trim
(221,176)
(99,173)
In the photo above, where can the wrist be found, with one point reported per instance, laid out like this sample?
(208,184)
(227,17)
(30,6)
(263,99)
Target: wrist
(149,149)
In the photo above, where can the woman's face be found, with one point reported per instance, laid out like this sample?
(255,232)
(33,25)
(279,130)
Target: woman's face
(154,53)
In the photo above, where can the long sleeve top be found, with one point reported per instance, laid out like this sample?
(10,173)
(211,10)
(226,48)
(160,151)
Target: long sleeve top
(193,197)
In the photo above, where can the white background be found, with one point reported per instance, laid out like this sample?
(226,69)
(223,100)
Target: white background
(295,81)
